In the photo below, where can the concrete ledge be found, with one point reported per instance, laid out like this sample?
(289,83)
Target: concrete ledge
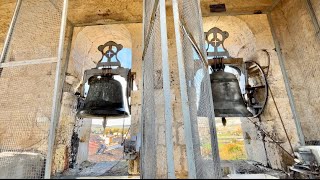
(110,177)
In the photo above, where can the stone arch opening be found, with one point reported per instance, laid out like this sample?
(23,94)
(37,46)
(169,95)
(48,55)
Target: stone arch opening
(250,38)
(85,55)
(241,42)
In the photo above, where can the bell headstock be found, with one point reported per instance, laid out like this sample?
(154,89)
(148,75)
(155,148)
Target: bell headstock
(215,37)
(110,50)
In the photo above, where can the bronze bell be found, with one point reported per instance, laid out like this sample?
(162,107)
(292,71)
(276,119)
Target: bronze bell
(104,99)
(227,97)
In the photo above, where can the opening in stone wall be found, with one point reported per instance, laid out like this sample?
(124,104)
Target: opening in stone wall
(101,141)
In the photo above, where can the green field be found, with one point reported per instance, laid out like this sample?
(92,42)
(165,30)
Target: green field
(230,142)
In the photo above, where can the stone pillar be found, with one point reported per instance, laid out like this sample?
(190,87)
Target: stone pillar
(84,136)
(64,133)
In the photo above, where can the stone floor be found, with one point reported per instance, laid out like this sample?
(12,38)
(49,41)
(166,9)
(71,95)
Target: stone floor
(110,163)
(249,168)
(97,170)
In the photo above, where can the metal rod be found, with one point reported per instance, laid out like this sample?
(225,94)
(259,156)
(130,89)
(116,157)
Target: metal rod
(57,8)
(216,170)
(183,92)
(274,4)
(233,13)
(151,24)
(313,17)
(57,93)
(287,83)
(167,90)
(29,62)
(7,42)
(141,151)
(194,44)
(107,23)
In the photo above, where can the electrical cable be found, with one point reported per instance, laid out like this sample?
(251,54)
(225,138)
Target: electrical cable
(267,75)
(264,145)
(269,60)
(285,130)
(265,133)
(122,141)
(113,166)
(269,136)
(123,119)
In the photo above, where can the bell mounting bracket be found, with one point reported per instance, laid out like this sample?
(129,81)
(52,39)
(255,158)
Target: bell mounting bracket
(218,55)
(110,50)
(215,37)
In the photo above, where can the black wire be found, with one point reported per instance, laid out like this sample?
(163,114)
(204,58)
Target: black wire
(264,144)
(126,134)
(269,59)
(285,130)
(122,141)
(123,119)
(267,74)
(269,136)
(113,166)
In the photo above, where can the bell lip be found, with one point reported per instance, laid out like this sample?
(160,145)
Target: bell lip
(114,114)
(245,114)
(232,115)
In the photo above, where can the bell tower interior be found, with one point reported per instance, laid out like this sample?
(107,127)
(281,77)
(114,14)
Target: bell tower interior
(159,89)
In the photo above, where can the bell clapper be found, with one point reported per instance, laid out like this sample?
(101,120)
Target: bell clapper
(224,121)
(104,124)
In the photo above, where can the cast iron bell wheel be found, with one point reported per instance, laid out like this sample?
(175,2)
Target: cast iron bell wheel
(257,88)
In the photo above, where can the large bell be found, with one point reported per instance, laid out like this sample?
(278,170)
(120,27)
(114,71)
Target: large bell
(104,99)
(227,97)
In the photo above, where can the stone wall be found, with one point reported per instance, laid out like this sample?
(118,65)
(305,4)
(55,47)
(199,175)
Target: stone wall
(27,91)
(301,51)
(6,12)
(26,101)
(64,132)
(26,95)
(36,33)
(84,55)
